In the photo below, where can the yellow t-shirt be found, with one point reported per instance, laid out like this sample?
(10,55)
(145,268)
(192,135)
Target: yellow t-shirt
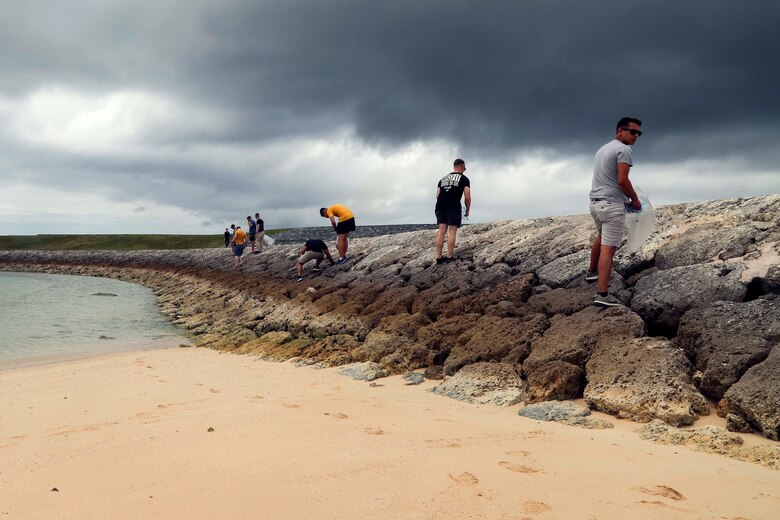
(240,237)
(341,212)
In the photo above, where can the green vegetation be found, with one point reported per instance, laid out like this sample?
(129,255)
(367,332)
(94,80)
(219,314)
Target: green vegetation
(114,242)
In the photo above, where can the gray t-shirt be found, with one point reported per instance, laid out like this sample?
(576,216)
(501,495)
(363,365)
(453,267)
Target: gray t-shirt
(605,176)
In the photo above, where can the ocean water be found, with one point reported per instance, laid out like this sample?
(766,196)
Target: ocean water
(44,315)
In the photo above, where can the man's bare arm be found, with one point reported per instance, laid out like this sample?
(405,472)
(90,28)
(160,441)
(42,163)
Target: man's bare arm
(467,200)
(327,253)
(626,186)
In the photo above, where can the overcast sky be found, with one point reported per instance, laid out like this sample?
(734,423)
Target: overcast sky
(184,116)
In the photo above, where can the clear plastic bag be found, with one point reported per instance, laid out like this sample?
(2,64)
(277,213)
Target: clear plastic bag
(639,224)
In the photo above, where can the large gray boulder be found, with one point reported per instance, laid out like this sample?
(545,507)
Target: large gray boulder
(556,380)
(663,297)
(484,383)
(494,338)
(574,338)
(725,339)
(756,397)
(562,271)
(697,246)
(644,379)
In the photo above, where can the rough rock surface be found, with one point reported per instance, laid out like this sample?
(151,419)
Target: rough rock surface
(725,339)
(712,439)
(574,338)
(555,381)
(515,296)
(663,297)
(756,397)
(564,412)
(643,379)
(364,371)
(483,383)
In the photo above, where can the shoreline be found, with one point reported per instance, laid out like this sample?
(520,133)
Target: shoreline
(126,435)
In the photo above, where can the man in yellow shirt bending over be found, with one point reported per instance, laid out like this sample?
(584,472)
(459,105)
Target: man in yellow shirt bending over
(345,225)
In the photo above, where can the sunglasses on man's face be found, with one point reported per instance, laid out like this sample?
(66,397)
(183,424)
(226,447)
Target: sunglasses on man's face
(633,131)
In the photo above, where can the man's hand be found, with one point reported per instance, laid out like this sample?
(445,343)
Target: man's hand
(636,204)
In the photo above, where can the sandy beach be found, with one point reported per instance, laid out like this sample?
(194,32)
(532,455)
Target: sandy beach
(192,433)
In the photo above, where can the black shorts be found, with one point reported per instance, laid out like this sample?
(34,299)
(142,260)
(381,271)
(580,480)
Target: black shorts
(252,237)
(449,216)
(345,226)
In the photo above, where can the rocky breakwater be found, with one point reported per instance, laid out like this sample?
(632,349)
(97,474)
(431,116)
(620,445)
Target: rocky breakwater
(513,316)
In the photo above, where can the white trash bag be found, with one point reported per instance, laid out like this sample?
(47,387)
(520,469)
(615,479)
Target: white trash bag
(639,224)
(268,240)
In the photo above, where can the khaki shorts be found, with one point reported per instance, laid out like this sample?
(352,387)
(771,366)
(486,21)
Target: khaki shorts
(308,256)
(610,219)
(260,236)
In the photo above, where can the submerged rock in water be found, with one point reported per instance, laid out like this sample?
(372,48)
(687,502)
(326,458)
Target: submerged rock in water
(102,294)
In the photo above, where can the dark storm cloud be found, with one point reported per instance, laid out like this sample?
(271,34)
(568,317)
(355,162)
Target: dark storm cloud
(256,81)
(497,75)
(504,74)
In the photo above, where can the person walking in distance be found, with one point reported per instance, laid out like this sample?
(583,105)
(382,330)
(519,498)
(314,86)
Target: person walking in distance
(345,225)
(252,232)
(450,189)
(260,232)
(227,237)
(611,193)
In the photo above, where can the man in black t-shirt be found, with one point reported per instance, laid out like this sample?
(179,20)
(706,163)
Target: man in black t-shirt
(448,193)
(260,232)
(313,249)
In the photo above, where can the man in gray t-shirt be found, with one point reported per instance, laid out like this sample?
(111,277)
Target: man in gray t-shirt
(610,193)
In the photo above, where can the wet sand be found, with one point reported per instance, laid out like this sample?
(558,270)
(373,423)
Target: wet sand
(128,435)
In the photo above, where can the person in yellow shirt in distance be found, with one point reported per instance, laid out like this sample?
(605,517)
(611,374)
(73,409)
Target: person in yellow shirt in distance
(345,225)
(239,243)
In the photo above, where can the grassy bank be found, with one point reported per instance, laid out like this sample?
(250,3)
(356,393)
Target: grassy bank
(113,242)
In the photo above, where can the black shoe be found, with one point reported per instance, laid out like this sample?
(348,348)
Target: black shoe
(440,260)
(448,259)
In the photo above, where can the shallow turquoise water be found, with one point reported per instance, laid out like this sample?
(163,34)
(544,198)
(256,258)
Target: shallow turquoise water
(54,315)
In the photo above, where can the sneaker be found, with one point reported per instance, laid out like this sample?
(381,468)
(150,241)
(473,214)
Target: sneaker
(299,279)
(606,301)
(440,260)
(341,260)
(448,259)
(591,276)
(316,269)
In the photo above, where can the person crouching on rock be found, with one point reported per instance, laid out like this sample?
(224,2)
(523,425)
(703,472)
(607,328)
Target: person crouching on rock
(313,249)
(345,225)
(239,243)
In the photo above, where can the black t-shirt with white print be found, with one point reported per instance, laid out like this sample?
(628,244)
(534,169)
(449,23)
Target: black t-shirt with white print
(451,190)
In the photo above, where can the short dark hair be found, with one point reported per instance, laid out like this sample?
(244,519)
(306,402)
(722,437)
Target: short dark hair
(459,162)
(248,217)
(323,209)
(624,121)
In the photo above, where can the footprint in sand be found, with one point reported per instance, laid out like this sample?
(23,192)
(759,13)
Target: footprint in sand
(214,390)
(534,507)
(518,468)
(663,491)
(518,453)
(338,415)
(375,431)
(465,479)
(291,405)
(256,398)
